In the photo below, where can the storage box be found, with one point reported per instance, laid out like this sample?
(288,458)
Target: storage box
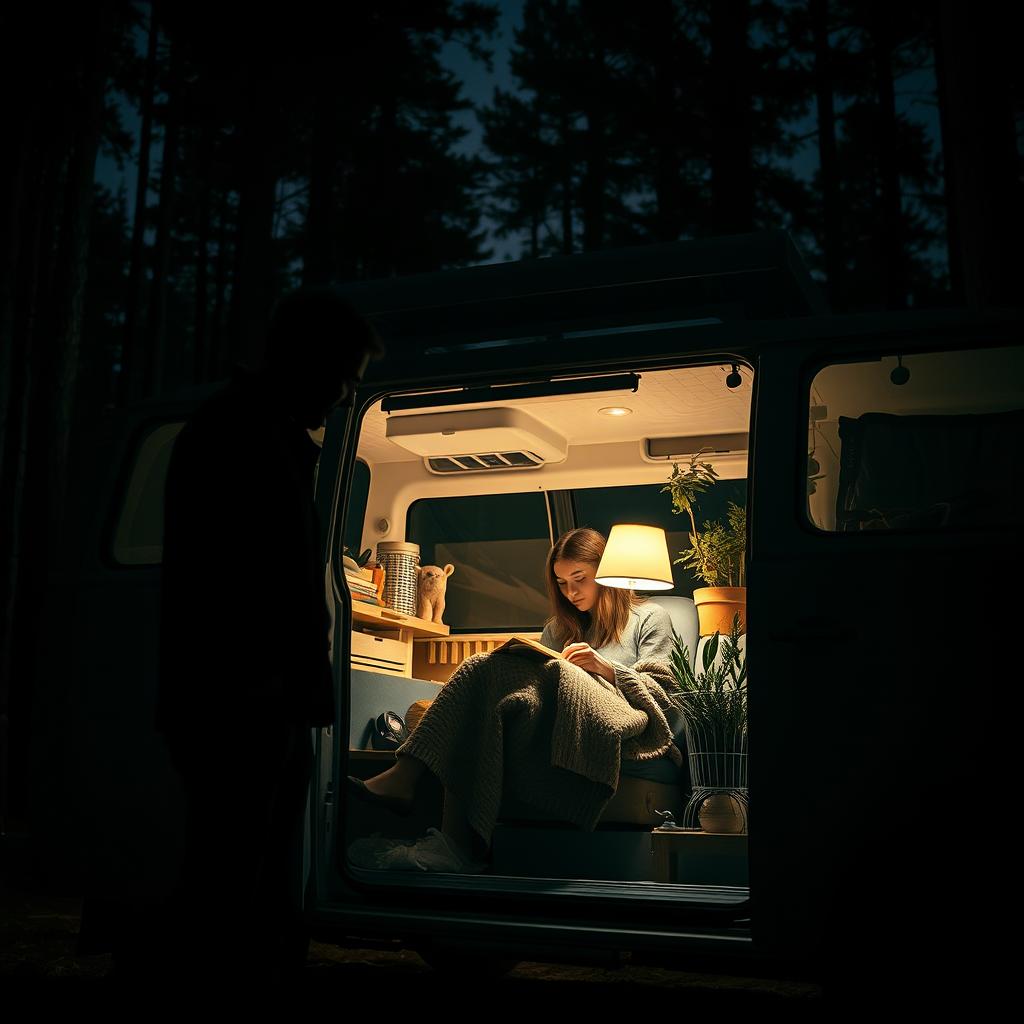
(379,653)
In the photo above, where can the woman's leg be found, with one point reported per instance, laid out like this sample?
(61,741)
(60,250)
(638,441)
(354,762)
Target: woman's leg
(399,780)
(455,825)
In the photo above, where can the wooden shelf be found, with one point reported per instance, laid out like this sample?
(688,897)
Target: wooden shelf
(372,755)
(370,614)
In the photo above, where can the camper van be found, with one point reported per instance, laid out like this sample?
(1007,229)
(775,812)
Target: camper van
(878,458)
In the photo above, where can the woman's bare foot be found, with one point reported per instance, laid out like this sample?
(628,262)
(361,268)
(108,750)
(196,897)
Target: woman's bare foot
(399,781)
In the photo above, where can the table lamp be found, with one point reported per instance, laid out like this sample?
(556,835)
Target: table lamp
(636,558)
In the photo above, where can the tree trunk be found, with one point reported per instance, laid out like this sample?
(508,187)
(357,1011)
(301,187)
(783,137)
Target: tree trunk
(73,252)
(38,199)
(954,251)
(218,360)
(595,180)
(893,241)
(130,377)
(252,288)
(666,149)
(535,215)
(319,263)
(156,327)
(567,197)
(200,354)
(15,182)
(46,329)
(828,154)
(986,206)
(732,180)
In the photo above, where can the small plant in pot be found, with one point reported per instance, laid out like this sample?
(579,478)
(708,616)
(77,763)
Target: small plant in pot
(717,550)
(712,699)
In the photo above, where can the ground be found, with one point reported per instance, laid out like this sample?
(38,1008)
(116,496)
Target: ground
(39,933)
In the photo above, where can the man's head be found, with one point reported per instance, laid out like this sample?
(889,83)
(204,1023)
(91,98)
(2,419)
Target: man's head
(318,347)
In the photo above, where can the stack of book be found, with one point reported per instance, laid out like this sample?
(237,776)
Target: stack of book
(366,584)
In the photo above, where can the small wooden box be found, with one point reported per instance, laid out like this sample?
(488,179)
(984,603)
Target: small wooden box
(699,858)
(379,653)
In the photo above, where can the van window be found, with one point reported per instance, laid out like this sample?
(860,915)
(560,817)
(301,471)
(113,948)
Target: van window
(138,538)
(498,544)
(600,507)
(357,506)
(917,441)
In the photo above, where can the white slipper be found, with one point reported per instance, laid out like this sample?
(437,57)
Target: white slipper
(434,852)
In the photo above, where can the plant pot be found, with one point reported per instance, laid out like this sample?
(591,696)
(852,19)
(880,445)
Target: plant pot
(723,813)
(716,607)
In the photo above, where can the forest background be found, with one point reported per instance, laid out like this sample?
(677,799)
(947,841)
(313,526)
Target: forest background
(173,168)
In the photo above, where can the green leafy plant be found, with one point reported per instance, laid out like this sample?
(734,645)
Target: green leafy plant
(713,699)
(716,552)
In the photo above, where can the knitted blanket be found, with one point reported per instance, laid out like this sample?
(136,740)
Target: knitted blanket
(546,732)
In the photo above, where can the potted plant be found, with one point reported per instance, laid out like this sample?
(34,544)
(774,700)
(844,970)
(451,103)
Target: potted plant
(716,553)
(713,705)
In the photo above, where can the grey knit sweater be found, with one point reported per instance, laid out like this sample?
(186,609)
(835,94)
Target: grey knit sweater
(647,637)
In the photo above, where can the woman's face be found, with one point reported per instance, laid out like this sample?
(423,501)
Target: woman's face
(577,584)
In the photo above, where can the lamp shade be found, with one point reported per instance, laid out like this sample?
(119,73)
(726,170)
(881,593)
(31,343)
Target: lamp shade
(636,558)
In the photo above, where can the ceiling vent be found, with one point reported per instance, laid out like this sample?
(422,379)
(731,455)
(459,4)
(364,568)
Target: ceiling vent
(477,440)
(484,462)
(680,447)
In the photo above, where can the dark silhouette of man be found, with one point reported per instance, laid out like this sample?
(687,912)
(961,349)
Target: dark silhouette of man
(244,670)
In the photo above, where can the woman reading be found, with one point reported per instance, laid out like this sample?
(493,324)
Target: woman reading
(549,732)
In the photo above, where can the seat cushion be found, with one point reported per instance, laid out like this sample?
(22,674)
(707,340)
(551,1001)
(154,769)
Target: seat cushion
(661,769)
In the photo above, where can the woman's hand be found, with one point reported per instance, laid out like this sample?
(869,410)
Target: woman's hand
(589,660)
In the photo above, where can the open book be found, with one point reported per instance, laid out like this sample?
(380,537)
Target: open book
(524,645)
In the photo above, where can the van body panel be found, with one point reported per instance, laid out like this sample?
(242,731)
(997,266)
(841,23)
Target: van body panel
(873,738)
(107,807)
(839,730)
(785,931)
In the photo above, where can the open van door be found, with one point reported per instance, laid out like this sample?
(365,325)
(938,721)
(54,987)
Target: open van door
(107,807)
(886,484)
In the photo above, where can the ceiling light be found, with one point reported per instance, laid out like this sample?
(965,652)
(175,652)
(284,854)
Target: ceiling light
(615,410)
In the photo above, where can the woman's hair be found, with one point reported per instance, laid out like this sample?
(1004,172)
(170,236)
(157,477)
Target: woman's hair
(610,613)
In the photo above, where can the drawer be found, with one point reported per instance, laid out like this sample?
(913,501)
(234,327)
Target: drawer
(388,668)
(381,650)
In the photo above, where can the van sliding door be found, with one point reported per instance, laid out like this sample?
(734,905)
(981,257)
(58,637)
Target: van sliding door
(886,515)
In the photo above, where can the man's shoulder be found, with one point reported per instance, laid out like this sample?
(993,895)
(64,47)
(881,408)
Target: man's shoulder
(223,420)
(234,400)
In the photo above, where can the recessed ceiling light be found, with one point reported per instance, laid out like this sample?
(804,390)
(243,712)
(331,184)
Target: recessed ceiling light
(615,410)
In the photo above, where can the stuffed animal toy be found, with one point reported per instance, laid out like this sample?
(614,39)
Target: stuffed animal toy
(433,582)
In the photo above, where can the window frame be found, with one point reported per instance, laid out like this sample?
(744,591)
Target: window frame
(550,519)
(869,351)
(127,475)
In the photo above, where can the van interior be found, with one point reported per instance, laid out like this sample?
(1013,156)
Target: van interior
(487,488)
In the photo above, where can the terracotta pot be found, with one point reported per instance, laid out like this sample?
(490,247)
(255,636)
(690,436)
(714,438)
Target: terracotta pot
(722,813)
(716,607)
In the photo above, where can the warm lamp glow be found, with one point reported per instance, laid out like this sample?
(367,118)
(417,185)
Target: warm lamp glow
(636,558)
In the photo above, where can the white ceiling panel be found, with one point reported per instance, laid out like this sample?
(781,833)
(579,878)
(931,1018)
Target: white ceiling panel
(668,403)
